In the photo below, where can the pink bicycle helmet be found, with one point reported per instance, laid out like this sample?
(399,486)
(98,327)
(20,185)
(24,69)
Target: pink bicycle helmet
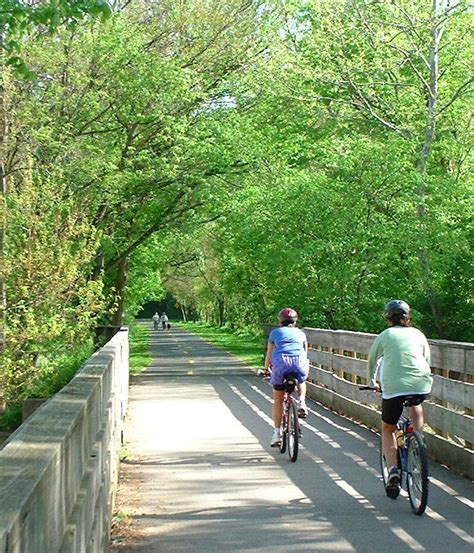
(287,314)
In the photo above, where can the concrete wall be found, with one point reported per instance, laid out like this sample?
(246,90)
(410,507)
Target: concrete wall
(58,471)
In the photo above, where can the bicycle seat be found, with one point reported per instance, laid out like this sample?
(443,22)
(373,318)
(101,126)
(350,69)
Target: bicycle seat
(410,401)
(290,381)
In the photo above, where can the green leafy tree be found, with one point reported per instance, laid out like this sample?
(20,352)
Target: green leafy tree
(357,195)
(18,20)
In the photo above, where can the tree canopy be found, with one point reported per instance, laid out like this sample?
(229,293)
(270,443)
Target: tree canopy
(241,156)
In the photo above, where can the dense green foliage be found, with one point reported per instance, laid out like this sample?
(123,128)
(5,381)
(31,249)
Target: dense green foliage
(19,18)
(349,204)
(242,155)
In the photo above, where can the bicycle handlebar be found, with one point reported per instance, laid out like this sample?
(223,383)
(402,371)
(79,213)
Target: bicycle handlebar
(263,373)
(369,388)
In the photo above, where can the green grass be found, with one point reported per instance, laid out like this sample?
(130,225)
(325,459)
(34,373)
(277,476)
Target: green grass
(250,348)
(119,517)
(140,355)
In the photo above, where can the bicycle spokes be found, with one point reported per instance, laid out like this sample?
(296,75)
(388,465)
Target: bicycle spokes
(293,432)
(417,473)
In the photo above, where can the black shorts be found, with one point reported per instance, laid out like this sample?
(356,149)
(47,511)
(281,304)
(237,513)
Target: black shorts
(392,408)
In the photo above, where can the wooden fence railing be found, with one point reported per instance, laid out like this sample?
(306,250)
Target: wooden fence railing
(339,366)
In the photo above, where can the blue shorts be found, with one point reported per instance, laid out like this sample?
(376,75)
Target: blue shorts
(284,364)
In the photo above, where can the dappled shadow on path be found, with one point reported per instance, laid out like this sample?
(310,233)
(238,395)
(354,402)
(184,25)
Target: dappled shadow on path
(338,470)
(225,490)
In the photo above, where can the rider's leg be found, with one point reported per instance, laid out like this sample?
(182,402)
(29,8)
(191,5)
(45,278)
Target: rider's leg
(389,444)
(302,409)
(416,414)
(277,407)
(302,391)
(391,411)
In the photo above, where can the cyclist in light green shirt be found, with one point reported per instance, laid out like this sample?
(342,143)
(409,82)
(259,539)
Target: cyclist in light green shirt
(402,355)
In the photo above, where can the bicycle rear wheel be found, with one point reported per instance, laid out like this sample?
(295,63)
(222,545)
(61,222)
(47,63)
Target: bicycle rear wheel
(283,429)
(284,434)
(293,432)
(417,473)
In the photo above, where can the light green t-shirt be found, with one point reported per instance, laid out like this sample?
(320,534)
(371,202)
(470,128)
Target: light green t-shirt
(405,367)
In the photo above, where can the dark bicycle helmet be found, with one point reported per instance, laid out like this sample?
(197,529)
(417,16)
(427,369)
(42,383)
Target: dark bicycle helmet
(396,309)
(287,315)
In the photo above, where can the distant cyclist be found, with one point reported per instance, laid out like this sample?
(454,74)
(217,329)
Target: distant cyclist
(404,371)
(286,353)
(164,321)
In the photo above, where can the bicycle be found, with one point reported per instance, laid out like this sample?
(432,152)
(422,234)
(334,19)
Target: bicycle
(412,460)
(290,425)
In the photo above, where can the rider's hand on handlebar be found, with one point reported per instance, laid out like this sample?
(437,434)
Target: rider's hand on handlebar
(264,372)
(374,387)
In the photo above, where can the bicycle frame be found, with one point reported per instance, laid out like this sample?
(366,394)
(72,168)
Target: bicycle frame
(287,401)
(404,427)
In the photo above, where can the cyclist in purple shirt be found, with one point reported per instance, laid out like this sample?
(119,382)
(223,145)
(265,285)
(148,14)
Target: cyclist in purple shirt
(286,353)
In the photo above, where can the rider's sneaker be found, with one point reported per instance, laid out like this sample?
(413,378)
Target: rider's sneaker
(276,438)
(393,483)
(302,410)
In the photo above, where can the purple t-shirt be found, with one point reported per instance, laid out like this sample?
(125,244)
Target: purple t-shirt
(288,340)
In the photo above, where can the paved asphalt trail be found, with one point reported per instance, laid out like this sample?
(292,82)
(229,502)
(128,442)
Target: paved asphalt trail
(200,476)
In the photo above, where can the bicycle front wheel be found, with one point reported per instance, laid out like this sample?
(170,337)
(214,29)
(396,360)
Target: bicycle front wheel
(293,432)
(417,473)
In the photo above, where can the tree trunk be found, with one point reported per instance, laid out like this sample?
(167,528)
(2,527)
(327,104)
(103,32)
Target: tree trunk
(438,25)
(220,311)
(120,287)
(3,191)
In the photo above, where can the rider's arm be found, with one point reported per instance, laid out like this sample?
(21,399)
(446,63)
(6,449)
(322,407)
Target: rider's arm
(305,342)
(374,354)
(426,352)
(268,356)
